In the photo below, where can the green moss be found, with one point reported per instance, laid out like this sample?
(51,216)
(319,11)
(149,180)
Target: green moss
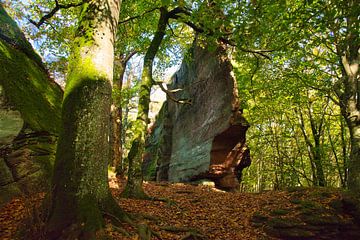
(29,89)
(90,214)
(320,220)
(80,71)
(150,173)
(322,193)
(295,200)
(284,222)
(8,192)
(10,32)
(25,80)
(259,218)
(279,212)
(309,205)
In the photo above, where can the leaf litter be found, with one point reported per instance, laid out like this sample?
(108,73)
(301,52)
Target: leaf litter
(202,211)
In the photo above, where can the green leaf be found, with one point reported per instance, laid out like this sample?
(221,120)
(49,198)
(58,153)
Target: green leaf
(165,2)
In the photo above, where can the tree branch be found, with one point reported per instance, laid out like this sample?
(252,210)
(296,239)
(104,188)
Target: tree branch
(57,7)
(138,16)
(171,97)
(202,29)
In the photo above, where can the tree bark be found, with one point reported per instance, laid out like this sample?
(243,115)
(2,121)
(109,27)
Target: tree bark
(117,114)
(133,188)
(348,52)
(80,184)
(116,122)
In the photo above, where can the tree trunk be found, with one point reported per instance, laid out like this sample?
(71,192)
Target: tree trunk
(348,52)
(116,122)
(133,188)
(314,149)
(80,184)
(117,114)
(344,146)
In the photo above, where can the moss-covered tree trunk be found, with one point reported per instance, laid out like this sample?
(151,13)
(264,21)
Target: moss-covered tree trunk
(133,188)
(348,52)
(80,184)
(352,114)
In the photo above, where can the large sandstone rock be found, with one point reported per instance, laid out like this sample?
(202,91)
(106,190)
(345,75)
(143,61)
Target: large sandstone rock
(30,104)
(207,138)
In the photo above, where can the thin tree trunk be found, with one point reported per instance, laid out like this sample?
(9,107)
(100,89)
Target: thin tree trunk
(309,147)
(80,183)
(116,121)
(133,188)
(344,147)
(117,115)
(333,148)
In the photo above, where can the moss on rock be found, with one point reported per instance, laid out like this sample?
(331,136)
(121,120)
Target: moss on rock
(25,80)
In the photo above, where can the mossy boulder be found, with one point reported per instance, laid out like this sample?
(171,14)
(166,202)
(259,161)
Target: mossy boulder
(30,110)
(25,81)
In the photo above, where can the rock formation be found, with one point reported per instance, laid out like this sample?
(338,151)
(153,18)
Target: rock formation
(204,139)
(30,106)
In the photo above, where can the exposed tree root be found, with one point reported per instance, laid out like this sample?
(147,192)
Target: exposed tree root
(193,236)
(143,230)
(169,202)
(121,230)
(134,194)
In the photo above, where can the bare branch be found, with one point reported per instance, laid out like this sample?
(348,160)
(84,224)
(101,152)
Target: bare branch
(57,7)
(138,16)
(171,97)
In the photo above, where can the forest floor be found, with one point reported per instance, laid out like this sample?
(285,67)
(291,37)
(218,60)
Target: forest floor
(203,212)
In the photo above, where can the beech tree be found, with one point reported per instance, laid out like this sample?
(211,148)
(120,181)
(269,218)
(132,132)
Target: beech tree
(80,192)
(133,188)
(345,26)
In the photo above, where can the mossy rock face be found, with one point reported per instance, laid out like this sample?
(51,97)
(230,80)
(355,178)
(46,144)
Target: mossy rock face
(30,110)
(29,161)
(158,147)
(25,81)
(11,121)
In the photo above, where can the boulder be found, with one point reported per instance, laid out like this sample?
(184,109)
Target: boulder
(204,139)
(30,109)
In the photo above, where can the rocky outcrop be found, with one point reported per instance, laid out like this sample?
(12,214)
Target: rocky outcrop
(30,104)
(204,139)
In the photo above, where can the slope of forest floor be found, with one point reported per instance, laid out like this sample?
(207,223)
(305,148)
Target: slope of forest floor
(202,212)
